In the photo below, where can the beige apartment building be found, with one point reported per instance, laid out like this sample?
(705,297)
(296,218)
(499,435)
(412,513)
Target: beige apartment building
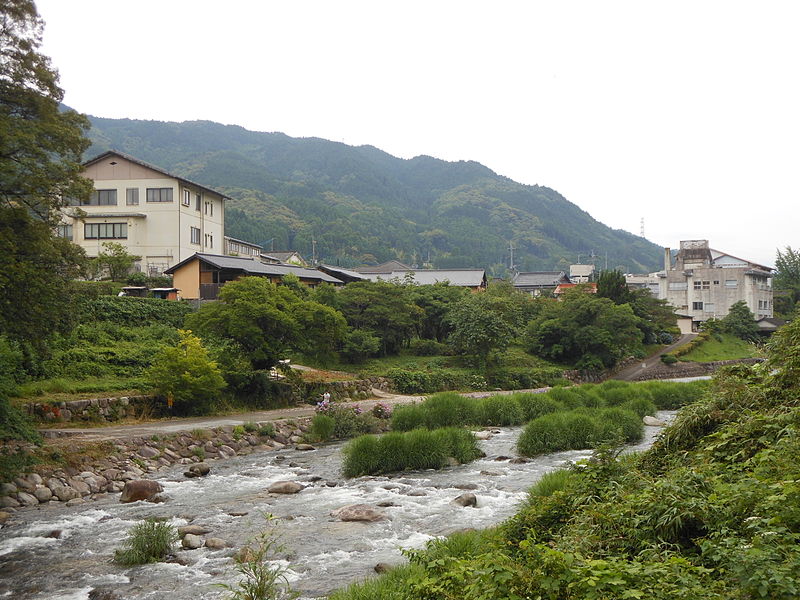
(160,217)
(704,283)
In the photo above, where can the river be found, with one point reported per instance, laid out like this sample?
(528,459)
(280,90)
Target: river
(57,553)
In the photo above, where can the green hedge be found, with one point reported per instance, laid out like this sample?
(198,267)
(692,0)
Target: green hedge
(126,310)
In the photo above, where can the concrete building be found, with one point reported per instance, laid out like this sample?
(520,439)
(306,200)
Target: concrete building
(536,283)
(160,217)
(234,247)
(704,283)
(580,273)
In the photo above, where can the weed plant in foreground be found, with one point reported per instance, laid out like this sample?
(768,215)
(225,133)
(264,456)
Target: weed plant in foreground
(417,449)
(147,542)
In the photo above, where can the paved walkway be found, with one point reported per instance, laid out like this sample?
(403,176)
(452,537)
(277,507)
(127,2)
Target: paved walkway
(653,360)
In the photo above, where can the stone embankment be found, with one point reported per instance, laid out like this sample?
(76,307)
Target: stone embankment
(110,410)
(689,369)
(108,468)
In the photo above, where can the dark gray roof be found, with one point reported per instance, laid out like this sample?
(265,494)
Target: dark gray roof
(233,239)
(111,215)
(540,279)
(345,272)
(255,267)
(100,157)
(456,277)
(387,267)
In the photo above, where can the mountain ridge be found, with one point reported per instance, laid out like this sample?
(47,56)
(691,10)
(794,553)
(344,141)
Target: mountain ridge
(360,204)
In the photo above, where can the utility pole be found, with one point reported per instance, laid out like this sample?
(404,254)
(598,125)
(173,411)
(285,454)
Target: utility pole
(511,265)
(641,227)
(313,251)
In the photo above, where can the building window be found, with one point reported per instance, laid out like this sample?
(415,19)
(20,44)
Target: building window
(716,283)
(197,201)
(187,198)
(697,306)
(210,209)
(105,231)
(677,286)
(702,285)
(64,231)
(209,240)
(195,231)
(159,194)
(101,198)
(132,196)
(731,283)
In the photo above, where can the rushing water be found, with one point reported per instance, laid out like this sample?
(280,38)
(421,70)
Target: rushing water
(321,553)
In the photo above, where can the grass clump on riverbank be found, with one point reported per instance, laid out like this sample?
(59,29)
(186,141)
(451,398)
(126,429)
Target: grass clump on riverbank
(579,429)
(147,542)
(417,449)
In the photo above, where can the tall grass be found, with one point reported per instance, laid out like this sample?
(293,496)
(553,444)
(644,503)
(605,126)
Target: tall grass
(579,429)
(535,405)
(671,395)
(500,411)
(393,585)
(417,449)
(147,542)
(549,484)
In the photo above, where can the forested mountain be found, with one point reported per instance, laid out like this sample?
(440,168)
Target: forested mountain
(362,205)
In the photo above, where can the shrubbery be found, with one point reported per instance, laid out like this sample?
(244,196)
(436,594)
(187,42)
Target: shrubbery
(147,542)
(133,312)
(417,449)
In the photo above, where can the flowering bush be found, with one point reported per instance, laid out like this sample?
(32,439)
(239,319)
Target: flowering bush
(348,420)
(381,411)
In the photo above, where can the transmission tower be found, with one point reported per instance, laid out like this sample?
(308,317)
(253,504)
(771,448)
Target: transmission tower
(641,227)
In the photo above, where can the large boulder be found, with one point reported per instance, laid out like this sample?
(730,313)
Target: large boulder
(215,543)
(653,422)
(467,499)
(198,470)
(358,512)
(192,529)
(285,487)
(140,489)
(191,541)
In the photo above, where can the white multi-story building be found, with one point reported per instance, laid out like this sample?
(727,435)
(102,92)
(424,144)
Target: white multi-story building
(704,283)
(159,217)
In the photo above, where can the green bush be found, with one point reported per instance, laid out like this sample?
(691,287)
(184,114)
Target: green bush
(132,312)
(559,431)
(147,542)
(671,395)
(550,483)
(417,449)
(14,425)
(322,427)
(267,430)
(410,381)
(521,378)
(394,585)
(500,411)
(187,375)
(424,347)
(628,422)
(407,417)
(643,405)
(535,405)
(449,409)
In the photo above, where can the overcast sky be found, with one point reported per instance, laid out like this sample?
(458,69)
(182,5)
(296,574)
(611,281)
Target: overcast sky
(685,114)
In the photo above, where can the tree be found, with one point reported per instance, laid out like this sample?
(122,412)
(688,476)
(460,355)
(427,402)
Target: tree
(186,375)
(116,260)
(740,322)
(40,146)
(266,321)
(40,164)
(384,309)
(483,325)
(612,285)
(584,330)
(436,302)
(787,280)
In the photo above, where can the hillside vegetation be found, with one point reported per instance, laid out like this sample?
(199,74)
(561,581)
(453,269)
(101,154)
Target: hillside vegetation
(362,205)
(712,511)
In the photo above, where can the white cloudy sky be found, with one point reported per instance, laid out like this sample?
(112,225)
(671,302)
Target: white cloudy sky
(686,114)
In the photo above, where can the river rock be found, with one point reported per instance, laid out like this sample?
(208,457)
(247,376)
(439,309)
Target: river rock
(226,451)
(43,494)
(304,447)
(467,499)
(502,457)
(519,460)
(285,487)
(452,461)
(198,470)
(26,499)
(192,529)
(385,504)
(215,543)
(466,486)
(4,516)
(191,541)
(381,567)
(75,502)
(7,488)
(483,435)
(79,485)
(358,512)
(416,493)
(100,593)
(142,489)
(653,422)
(65,493)
(490,473)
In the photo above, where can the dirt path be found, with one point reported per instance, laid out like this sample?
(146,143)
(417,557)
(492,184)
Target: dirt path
(176,425)
(653,360)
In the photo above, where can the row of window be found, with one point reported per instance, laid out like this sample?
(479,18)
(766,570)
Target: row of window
(706,285)
(235,247)
(96,231)
(152,195)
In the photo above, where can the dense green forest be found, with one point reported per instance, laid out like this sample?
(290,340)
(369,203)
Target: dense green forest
(362,205)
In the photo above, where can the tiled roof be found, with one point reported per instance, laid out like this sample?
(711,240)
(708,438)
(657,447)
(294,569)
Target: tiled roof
(540,279)
(456,277)
(387,267)
(255,267)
